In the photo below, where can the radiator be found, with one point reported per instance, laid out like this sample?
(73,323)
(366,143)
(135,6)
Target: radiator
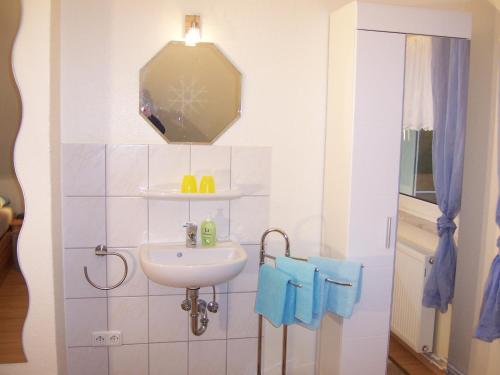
(412,322)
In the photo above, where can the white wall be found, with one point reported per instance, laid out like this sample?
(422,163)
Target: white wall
(484,357)
(477,240)
(281,49)
(283,61)
(36,159)
(10,104)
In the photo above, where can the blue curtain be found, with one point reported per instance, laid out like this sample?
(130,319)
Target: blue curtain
(450,74)
(488,328)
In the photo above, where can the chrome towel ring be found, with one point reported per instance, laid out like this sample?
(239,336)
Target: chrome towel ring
(102,250)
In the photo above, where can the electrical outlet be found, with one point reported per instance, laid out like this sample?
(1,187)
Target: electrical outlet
(106,338)
(99,338)
(114,338)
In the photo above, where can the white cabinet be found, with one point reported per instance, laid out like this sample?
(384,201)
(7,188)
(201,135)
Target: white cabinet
(378,106)
(363,145)
(360,202)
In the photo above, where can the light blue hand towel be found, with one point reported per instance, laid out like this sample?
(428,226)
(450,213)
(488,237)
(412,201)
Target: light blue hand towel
(290,303)
(341,299)
(319,301)
(301,273)
(275,298)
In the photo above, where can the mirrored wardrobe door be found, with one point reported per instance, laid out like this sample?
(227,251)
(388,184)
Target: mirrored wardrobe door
(13,290)
(432,147)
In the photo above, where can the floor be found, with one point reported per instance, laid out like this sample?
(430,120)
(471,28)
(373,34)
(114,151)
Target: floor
(13,309)
(393,369)
(407,361)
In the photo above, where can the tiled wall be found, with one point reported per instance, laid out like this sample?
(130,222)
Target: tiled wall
(102,205)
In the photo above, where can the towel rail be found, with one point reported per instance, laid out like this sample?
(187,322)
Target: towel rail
(262,259)
(102,250)
(328,280)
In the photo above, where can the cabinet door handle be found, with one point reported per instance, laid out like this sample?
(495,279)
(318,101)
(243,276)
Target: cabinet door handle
(388,233)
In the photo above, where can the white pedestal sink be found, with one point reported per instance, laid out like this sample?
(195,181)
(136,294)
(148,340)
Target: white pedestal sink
(175,265)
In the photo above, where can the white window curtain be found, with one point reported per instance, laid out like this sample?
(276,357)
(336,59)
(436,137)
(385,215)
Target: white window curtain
(418,100)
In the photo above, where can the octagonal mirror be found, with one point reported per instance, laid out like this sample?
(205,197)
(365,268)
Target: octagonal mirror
(190,94)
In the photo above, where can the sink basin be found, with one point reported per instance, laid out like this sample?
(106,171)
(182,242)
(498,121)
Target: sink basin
(175,265)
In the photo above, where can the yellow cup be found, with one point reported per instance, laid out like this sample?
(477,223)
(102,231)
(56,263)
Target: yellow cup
(207,184)
(188,184)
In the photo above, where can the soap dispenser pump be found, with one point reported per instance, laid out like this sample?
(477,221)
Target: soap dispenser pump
(208,233)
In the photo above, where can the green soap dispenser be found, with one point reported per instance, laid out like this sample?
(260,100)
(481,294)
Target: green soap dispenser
(208,233)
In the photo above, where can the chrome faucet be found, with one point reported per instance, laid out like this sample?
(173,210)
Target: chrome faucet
(191,231)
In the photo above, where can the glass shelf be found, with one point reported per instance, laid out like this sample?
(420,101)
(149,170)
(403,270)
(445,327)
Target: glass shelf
(176,195)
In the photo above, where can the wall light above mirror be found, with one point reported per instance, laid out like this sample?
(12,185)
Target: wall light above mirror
(192,32)
(190,92)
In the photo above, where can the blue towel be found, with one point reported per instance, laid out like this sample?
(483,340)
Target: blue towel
(341,299)
(290,304)
(319,301)
(275,298)
(301,273)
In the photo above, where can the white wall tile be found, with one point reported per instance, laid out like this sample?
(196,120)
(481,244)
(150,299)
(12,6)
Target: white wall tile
(87,361)
(128,360)
(218,211)
(127,221)
(161,290)
(249,219)
(126,169)
(136,283)
(130,316)
(83,170)
(251,170)
(217,327)
(212,161)
(168,164)
(84,222)
(243,321)
(219,288)
(168,359)
(134,220)
(75,284)
(242,357)
(167,321)
(207,357)
(246,281)
(83,316)
(166,219)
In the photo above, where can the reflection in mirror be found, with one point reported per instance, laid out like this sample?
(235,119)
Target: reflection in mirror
(13,290)
(190,94)
(435,93)
(416,178)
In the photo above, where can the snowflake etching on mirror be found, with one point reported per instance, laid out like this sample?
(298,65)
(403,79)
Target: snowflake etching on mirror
(185,97)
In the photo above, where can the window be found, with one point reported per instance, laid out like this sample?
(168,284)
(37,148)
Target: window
(416,165)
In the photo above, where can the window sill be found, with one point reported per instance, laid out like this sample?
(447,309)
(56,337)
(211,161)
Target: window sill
(421,214)
(419,208)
